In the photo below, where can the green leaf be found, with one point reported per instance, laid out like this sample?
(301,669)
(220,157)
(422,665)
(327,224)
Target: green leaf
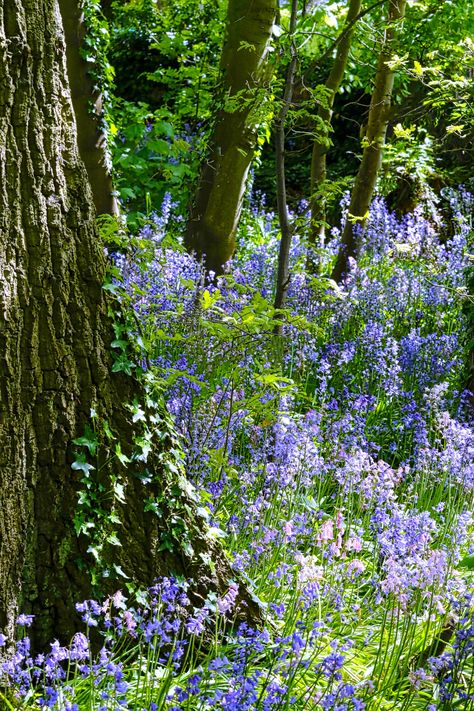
(151,505)
(417,68)
(123,365)
(107,431)
(166,545)
(113,540)
(122,345)
(119,492)
(188,549)
(123,459)
(127,193)
(120,572)
(80,464)
(89,440)
(208,299)
(467,562)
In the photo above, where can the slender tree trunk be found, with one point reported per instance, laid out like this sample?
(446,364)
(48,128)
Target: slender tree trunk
(88,110)
(324,115)
(107,9)
(283,275)
(215,214)
(55,363)
(379,113)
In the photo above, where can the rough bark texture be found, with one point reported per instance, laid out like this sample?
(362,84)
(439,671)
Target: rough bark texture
(55,355)
(320,145)
(379,113)
(215,214)
(283,273)
(87,102)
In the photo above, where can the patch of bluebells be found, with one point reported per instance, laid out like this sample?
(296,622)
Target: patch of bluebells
(375,422)
(255,672)
(344,492)
(452,670)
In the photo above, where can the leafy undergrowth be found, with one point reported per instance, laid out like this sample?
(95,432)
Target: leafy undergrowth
(338,463)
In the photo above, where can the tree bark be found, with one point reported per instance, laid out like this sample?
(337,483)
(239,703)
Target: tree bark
(379,113)
(55,362)
(215,214)
(283,273)
(324,115)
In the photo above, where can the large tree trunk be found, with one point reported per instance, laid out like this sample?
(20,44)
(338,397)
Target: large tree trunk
(215,214)
(324,115)
(379,113)
(55,362)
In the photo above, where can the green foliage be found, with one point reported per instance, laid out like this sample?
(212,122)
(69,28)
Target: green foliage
(101,492)
(409,153)
(150,159)
(242,381)
(166,61)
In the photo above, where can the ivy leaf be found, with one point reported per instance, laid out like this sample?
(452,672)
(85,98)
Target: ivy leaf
(166,545)
(113,540)
(89,440)
(119,490)
(80,464)
(123,459)
(120,572)
(118,343)
(123,364)
(138,414)
(188,549)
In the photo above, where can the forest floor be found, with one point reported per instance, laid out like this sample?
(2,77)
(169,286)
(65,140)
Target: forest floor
(337,463)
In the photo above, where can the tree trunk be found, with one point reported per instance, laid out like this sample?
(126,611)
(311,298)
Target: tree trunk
(283,274)
(324,115)
(88,110)
(379,113)
(215,214)
(55,363)
(107,9)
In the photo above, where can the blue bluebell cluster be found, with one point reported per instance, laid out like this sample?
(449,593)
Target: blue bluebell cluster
(338,463)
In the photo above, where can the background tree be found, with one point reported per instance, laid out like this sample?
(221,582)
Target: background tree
(84,74)
(379,114)
(323,127)
(244,69)
(283,275)
(55,370)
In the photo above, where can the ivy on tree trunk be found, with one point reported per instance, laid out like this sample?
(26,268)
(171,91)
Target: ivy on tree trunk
(55,367)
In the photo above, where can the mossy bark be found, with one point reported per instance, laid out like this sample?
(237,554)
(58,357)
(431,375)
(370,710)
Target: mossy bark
(379,114)
(324,116)
(55,362)
(215,213)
